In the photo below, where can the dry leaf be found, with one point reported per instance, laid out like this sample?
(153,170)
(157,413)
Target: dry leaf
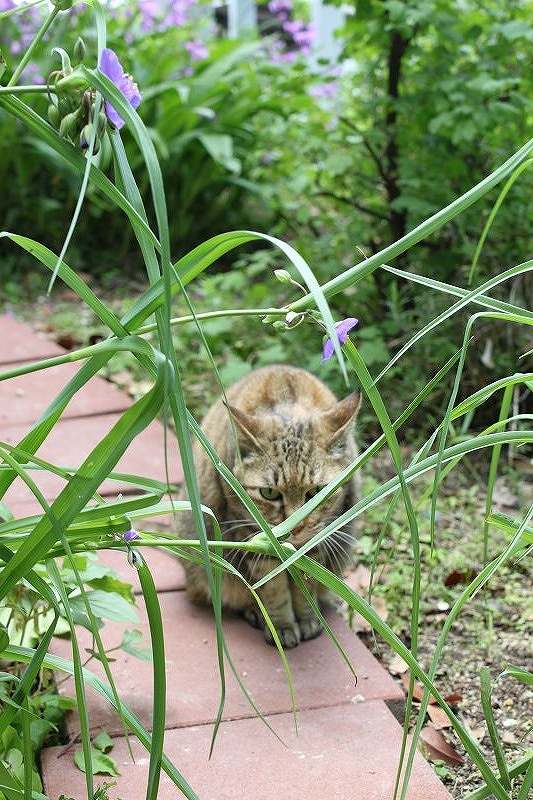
(453,697)
(418,690)
(437,748)
(397,666)
(439,717)
(459,576)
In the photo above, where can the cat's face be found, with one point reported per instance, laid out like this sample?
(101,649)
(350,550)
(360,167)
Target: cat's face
(285,460)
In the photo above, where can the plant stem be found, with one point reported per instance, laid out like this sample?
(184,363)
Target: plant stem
(29,52)
(34,89)
(230,312)
(21,8)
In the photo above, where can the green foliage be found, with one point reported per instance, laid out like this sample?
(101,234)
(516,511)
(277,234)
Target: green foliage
(48,581)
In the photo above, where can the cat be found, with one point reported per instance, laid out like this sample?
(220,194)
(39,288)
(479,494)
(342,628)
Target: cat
(293,437)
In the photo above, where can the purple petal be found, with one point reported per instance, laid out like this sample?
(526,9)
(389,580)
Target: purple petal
(111,66)
(342,329)
(113,116)
(328,350)
(130,536)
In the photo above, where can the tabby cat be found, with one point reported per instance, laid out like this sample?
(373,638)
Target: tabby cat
(293,438)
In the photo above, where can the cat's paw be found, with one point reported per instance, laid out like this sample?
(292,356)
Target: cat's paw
(253,617)
(310,628)
(289,635)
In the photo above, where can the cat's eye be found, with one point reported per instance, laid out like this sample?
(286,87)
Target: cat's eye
(311,492)
(269,493)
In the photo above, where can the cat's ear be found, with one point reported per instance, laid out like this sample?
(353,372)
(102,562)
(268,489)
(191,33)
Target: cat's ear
(338,419)
(249,425)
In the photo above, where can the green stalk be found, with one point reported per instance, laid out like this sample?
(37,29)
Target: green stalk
(515,769)
(27,752)
(20,9)
(207,315)
(36,40)
(493,468)
(486,703)
(157,639)
(523,794)
(26,89)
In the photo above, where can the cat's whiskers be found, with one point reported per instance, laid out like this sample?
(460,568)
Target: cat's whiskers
(238,526)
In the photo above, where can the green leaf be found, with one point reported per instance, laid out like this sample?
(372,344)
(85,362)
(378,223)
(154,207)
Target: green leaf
(521,674)
(4,638)
(129,645)
(101,763)
(106,605)
(110,584)
(103,742)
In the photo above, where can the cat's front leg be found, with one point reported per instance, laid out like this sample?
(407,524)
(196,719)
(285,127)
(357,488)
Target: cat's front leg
(310,626)
(277,599)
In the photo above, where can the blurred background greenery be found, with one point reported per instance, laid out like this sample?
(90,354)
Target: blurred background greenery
(339,157)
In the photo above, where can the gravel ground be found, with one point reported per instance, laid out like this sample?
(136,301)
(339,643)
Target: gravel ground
(494,630)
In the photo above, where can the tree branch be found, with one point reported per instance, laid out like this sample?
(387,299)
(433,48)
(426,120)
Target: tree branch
(352,203)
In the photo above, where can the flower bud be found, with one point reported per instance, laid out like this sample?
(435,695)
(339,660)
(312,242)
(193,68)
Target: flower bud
(292,319)
(74,82)
(282,275)
(69,125)
(279,325)
(101,123)
(54,116)
(85,138)
(62,5)
(105,153)
(79,50)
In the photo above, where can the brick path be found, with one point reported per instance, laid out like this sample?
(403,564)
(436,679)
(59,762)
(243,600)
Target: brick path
(348,739)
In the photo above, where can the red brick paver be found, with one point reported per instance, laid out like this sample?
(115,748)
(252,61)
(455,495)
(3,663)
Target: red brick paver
(18,342)
(73,439)
(321,678)
(23,399)
(349,741)
(340,752)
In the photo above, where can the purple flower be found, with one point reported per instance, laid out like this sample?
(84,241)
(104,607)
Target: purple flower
(197,50)
(342,328)
(280,8)
(130,535)
(111,66)
(324,90)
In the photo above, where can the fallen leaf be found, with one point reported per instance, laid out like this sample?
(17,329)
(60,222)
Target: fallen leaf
(397,666)
(439,717)
(418,690)
(459,576)
(437,748)
(453,697)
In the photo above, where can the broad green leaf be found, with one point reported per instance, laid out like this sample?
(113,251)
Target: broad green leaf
(106,605)
(102,764)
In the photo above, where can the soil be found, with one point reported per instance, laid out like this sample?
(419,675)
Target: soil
(494,630)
